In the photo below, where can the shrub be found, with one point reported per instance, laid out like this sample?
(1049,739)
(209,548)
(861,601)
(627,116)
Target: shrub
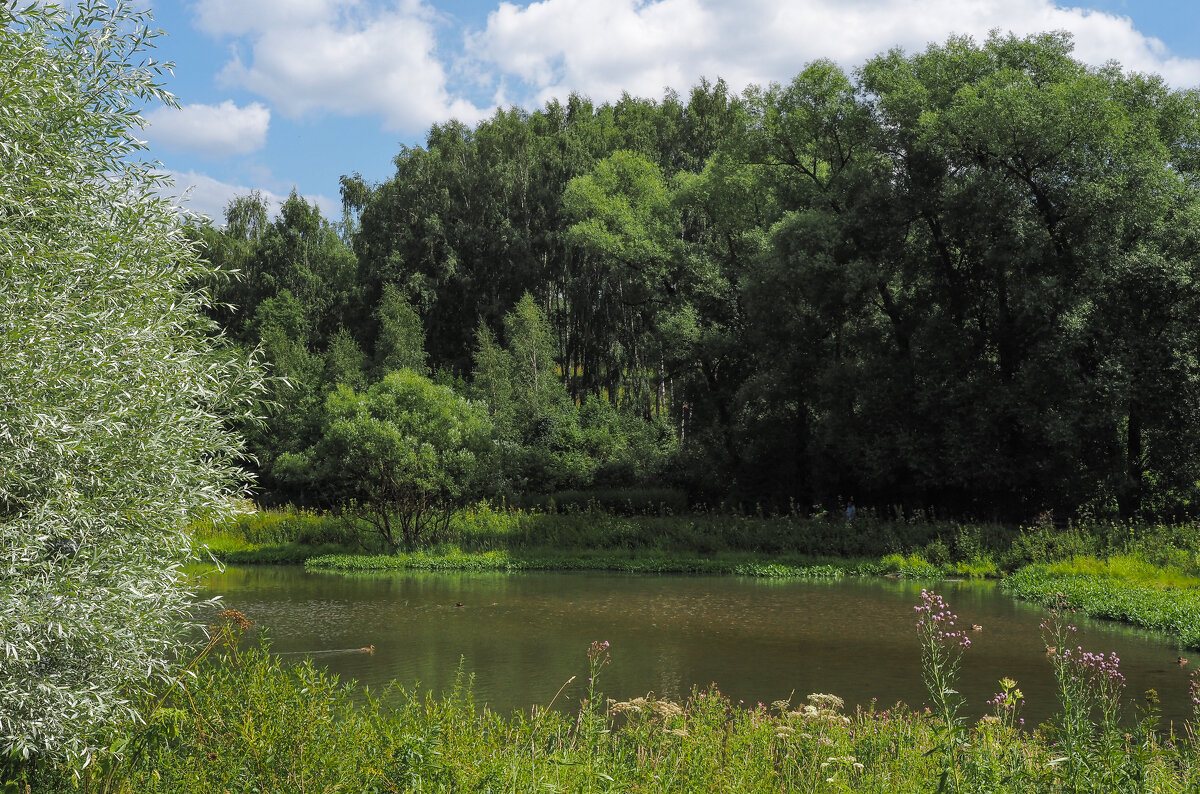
(114,399)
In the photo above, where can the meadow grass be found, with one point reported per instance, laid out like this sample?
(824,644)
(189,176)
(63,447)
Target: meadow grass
(1120,588)
(245,721)
(739,564)
(293,536)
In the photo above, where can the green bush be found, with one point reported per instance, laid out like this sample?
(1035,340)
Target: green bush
(270,527)
(116,393)
(617,501)
(1048,543)
(913,565)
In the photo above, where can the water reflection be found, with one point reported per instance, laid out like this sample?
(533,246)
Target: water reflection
(522,635)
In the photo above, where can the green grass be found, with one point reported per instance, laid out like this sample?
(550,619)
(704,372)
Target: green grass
(628,562)
(247,722)
(1120,588)
(1126,567)
(272,536)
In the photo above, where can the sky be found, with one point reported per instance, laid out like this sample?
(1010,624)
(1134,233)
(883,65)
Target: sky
(279,95)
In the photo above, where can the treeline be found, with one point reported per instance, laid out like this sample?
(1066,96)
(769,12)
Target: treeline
(962,280)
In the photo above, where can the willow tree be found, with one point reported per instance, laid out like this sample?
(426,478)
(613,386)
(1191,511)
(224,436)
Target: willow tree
(113,393)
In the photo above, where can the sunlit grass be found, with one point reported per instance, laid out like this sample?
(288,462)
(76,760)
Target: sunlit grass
(1130,567)
(246,721)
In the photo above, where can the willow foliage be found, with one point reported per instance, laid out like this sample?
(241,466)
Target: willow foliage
(113,394)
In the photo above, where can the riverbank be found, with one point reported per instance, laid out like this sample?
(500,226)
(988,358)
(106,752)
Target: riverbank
(248,722)
(1144,575)
(1117,588)
(541,559)
(293,536)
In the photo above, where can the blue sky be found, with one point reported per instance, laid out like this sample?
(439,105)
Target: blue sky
(283,94)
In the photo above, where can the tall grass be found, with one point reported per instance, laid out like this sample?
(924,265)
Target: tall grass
(486,527)
(247,722)
(1146,599)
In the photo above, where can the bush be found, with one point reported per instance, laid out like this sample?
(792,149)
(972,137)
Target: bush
(114,398)
(615,501)
(1047,543)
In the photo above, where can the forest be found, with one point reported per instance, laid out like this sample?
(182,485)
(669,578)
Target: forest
(958,282)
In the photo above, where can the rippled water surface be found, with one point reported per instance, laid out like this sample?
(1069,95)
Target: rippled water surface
(521,636)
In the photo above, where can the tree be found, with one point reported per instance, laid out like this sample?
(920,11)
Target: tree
(539,398)
(627,222)
(403,455)
(492,379)
(401,340)
(114,394)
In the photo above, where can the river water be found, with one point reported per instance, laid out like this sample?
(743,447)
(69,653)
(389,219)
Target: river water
(522,636)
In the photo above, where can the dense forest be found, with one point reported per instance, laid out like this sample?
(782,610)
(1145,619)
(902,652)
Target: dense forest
(960,281)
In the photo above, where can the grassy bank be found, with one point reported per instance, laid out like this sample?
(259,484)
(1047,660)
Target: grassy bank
(1125,588)
(915,548)
(247,722)
(453,559)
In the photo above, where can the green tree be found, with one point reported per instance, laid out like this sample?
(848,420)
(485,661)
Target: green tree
(539,398)
(627,223)
(400,343)
(403,455)
(345,362)
(113,395)
(492,378)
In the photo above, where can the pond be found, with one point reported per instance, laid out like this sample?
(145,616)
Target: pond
(521,636)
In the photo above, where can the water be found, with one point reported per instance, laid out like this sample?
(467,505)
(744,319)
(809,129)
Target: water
(521,636)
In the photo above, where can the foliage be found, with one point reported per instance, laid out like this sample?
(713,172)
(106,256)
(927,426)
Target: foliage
(113,391)
(401,340)
(1141,601)
(548,559)
(617,501)
(249,722)
(956,281)
(402,455)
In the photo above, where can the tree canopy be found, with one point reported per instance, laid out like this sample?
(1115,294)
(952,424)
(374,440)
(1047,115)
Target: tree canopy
(953,280)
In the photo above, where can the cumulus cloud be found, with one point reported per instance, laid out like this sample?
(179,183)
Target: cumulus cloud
(552,47)
(343,56)
(204,195)
(238,17)
(213,130)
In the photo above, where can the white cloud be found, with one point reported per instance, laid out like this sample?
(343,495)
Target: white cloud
(341,56)
(599,49)
(382,57)
(214,130)
(204,195)
(239,17)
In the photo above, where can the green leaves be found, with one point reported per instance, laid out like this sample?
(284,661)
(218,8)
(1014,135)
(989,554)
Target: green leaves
(113,399)
(406,451)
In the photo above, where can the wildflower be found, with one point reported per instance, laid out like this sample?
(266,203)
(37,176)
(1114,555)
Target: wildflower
(598,653)
(827,701)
